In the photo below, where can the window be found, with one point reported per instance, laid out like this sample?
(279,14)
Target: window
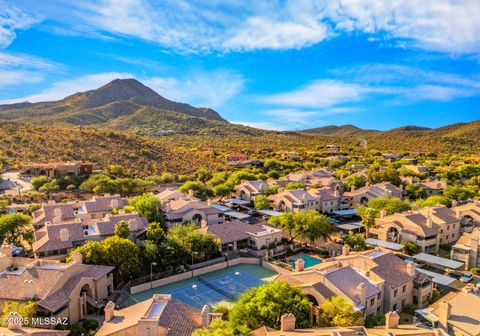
(378,310)
(404,289)
(395,293)
(454,225)
(372,301)
(446,237)
(448,227)
(379,295)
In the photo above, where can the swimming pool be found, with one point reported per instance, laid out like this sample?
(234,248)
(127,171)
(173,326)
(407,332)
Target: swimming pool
(222,285)
(309,261)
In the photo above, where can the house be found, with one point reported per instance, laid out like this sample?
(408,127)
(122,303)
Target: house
(416,169)
(391,328)
(467,249)
(362,195)
(60,290)
(247,190)
(236,158)
(456,313)
(329,199)
(236,235)
(294,201)
(373,282)
(390,157)
(433,187)
(172,194)
(56,240)
(158,316)
(470,214)
(192,210)
(57,169)
(93,209)
(427,228)
(321,177)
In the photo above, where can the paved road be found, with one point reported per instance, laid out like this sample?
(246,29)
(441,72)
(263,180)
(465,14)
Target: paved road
(14,177)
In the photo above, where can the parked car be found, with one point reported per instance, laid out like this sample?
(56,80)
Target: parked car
(455,275)
(466,277)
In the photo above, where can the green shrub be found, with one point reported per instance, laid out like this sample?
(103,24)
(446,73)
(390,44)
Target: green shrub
(475,270)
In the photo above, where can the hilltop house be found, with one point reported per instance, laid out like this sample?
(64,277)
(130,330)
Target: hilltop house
(374,282)
(247,190)
(433,187)
(236,158)
(71,290)
(237,235)
(158,316)
(362,195)
(428,227)
(57,169)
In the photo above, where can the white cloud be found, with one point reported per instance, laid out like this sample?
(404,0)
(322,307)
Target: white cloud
(13,18)
(18,77)
(266,125)
(319,94)
(15,60)
(211,89)
(64,88)
(450,26)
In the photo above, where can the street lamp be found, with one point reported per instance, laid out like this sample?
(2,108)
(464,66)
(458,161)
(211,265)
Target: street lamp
(151,272)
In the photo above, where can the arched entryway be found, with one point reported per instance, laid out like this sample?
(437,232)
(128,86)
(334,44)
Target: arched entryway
(393,235)
(364,200)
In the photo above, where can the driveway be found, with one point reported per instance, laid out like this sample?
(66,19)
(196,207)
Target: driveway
(14,176)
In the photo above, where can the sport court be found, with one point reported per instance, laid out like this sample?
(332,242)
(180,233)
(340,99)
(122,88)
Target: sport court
(211,288)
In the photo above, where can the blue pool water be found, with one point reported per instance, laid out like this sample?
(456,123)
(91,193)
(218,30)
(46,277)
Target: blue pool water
(309,261)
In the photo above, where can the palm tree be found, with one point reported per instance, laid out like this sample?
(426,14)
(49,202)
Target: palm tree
(368,216)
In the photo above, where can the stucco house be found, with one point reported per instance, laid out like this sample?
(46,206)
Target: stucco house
(467,249)
(362,195)
(70,290)
(247,190)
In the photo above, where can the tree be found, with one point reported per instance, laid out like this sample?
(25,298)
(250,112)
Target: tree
(264,306)
(237,176)
(309,224)
(368,216)
(50,187)
(385,175)
(271,190)
(338,312)
(410,248)
(148,206)
(116,170)
(222,190)
(390,204)
(217,327)
(261,202)
(199,189)
(459,193)
(294,186)
(155,232)
(27,310)
(356,241)
(167,177)
(122,229)
(414,191)
(38,182)
(436,295)
(15,228)
(113,251)
(433,201)
(354,181)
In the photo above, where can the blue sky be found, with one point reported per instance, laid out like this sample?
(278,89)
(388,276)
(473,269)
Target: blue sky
(269,64)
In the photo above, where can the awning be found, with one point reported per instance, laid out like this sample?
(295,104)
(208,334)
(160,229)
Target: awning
(270,213)
(350,227)
(444,262)
(220,207)
(236,214)
(349,212)
(237,201)
(381,243)
(437,278)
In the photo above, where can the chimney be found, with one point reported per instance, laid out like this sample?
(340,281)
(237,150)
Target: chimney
(77,257)
(190,193)
(429,222)
(458,213)
(383,213)
(391,320)
(109,311)
(444,311)
(114,204)
(14,321)
(287,322)
(362,292)
(345,250)
(64,235)
(454,203)
(6,250)
(28,288)
(411,268)
(205,318)
(299,265)
(203,223)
